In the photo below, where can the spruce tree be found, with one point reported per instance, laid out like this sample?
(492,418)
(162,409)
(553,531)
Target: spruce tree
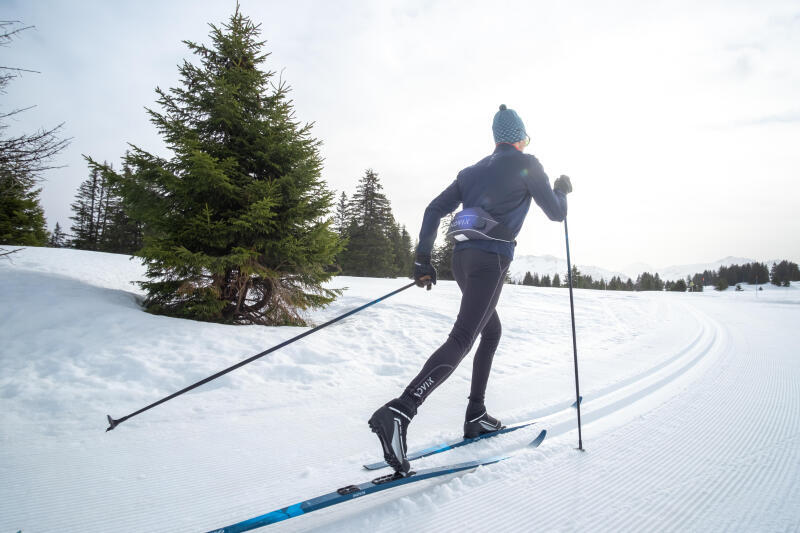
(556,280)
(99,218)
(121,234)
(87,211)
(58,239)
(758,274)
(22,219)
(784,272)
(527,279)
(401,265)
(403,253)
(341,216)
(235,222)
(369,251)
(23,160)
(576,276)
(545,282)
(678,286)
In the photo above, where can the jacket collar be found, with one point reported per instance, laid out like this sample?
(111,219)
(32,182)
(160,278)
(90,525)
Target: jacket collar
(505,147)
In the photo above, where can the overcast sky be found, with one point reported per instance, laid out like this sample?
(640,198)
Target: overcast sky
(678,122)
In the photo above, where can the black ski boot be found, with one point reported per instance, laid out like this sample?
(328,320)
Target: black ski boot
(479,422)
(390,423)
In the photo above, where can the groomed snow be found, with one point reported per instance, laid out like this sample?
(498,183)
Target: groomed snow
(690,410)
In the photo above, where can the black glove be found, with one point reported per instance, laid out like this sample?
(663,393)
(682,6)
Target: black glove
(563,184)
(424,273)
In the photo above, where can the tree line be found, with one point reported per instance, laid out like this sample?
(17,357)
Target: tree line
(782,274)
(579,281)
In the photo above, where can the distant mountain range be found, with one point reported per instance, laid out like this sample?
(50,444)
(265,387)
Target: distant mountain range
(549,265)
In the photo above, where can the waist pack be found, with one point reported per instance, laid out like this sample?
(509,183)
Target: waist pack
(474,223)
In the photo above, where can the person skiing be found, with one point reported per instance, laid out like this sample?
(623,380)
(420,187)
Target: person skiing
(496,194)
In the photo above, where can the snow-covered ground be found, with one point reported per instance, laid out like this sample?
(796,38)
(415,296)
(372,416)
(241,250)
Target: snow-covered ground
(691,409)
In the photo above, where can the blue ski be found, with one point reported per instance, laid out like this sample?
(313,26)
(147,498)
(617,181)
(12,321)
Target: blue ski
(439,448)
(352,492)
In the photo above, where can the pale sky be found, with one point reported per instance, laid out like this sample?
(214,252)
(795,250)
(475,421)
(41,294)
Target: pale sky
(678,122)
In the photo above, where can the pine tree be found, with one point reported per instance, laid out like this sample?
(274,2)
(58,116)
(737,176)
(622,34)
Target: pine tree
(527,279)
(23,160)
(406,260)
(758,274)
(576,276)
(369,251)
(678,286)
(649,282)
(235,223)
(556,280)
(58,239)
(401,248)
(99,218)
(87,210)
(22,219)
(784,272)
(545,281)
(121,234)
(341,216)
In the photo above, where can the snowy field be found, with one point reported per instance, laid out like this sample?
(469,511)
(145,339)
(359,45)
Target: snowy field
(691,410)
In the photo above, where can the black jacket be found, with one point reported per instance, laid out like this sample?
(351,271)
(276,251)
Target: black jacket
(503,185)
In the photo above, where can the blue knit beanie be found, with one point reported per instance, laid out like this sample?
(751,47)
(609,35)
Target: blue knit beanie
(507,126)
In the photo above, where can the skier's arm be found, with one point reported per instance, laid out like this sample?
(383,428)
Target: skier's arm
(553,203)
(442,205)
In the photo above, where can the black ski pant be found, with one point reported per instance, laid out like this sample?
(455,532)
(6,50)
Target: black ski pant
(480,276)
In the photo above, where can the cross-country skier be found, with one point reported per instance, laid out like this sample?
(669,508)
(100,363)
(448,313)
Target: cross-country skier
(496,194)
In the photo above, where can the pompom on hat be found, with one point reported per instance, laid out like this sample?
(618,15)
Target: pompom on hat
(507,127)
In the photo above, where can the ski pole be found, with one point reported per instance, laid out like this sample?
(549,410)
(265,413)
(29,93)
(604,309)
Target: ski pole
(114,423)
(574,341)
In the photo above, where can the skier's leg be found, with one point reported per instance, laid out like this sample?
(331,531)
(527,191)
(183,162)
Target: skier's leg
(480,275)
(477,420)
(482,363)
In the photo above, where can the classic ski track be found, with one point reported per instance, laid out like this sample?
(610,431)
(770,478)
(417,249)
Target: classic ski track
(558,421)
(287,470)
(561,495)
(549,418)
(703,336)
